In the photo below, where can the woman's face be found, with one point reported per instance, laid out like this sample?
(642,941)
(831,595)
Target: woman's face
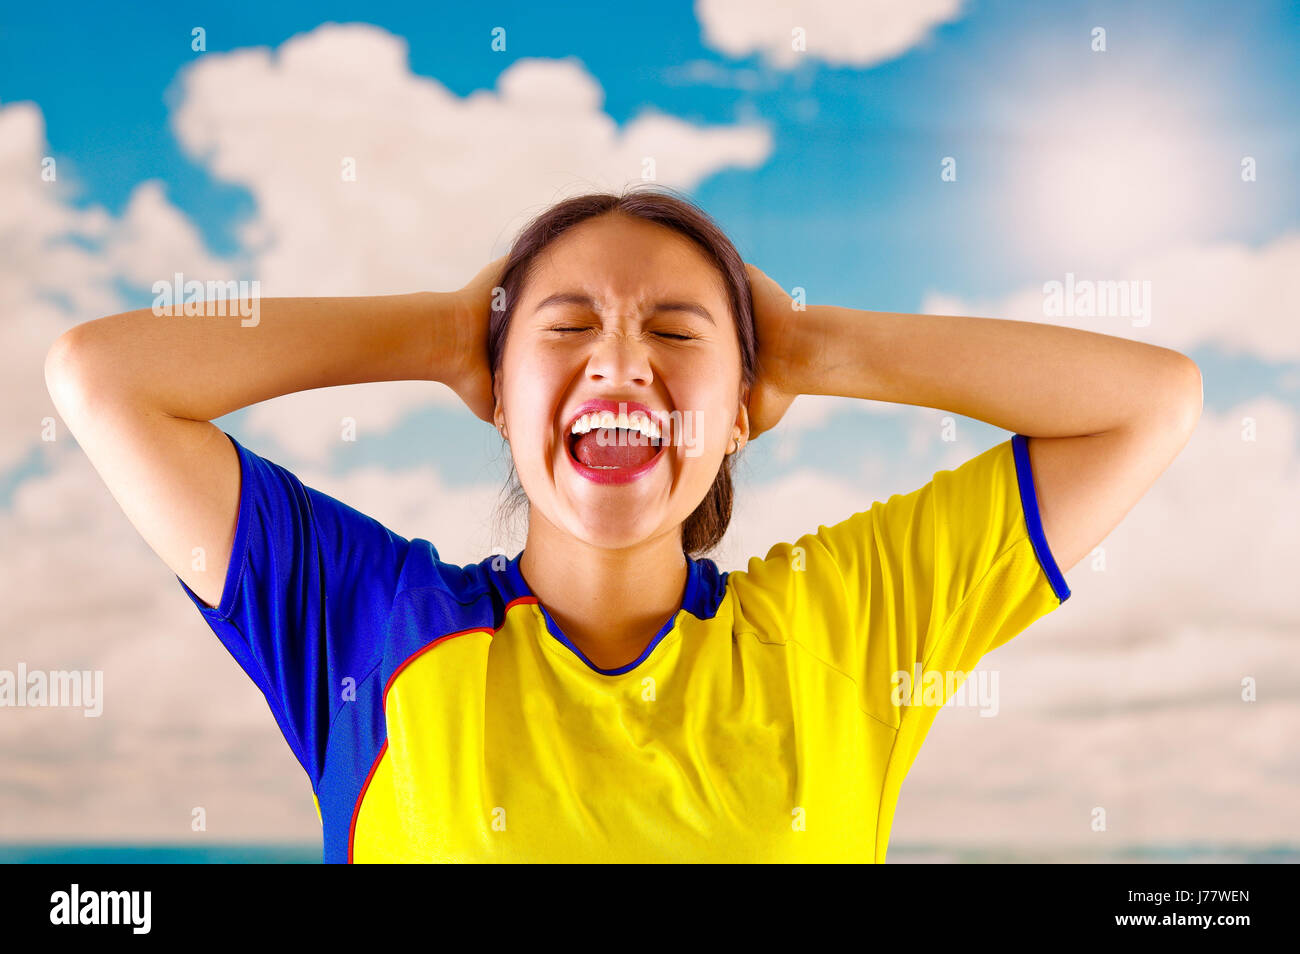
(593,324)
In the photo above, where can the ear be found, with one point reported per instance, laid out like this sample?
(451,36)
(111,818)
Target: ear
(742,415)
(498,409)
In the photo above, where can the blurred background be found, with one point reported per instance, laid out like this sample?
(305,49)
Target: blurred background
(940,156)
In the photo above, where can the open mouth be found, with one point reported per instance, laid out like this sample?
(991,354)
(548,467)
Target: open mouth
(614,454)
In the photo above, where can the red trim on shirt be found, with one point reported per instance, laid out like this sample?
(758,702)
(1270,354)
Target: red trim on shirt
(374,767)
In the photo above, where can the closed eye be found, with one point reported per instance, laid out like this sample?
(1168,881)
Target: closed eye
(661,334)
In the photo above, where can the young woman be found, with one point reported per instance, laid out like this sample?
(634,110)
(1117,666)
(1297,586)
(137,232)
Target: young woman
(609,694)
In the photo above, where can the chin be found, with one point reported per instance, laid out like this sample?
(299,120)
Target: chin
(614,536)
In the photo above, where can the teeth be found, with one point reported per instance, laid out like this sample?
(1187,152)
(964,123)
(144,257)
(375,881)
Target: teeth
(636,421)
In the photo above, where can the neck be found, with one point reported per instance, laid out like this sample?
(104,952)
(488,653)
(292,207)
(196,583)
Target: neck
(609,602)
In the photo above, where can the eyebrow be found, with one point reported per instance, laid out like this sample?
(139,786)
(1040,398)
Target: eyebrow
(586,301)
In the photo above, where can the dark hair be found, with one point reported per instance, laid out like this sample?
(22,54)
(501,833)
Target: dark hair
(705,527)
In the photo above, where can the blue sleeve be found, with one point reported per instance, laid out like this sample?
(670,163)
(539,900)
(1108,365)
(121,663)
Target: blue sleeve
(306,599)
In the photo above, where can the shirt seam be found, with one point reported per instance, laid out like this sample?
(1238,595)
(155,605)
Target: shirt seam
(388,622)
(335,718)
(1023,537)
(975,588)
(278,705)
(378,663)
(831,666)
(245,501)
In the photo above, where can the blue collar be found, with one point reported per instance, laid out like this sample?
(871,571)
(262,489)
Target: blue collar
(705,587)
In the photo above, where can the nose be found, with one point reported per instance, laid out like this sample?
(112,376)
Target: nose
(618,357)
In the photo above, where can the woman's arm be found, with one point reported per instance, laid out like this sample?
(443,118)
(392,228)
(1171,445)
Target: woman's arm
(138,390)
(1106,415)
(1040,380)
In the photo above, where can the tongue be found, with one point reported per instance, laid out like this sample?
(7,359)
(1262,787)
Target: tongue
(615,449)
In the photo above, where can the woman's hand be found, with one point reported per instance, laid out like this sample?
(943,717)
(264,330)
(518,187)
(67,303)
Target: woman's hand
(471,378)
(775,326)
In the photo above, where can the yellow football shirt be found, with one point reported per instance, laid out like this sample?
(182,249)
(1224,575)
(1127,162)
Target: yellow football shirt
(442,715)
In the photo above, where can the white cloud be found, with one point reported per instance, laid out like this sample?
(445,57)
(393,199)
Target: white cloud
(309,424)
(438,177)
(1226,295)
(45,281)
(154,240)
(59,263)
(842,34)
(812,412)
(809,411)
